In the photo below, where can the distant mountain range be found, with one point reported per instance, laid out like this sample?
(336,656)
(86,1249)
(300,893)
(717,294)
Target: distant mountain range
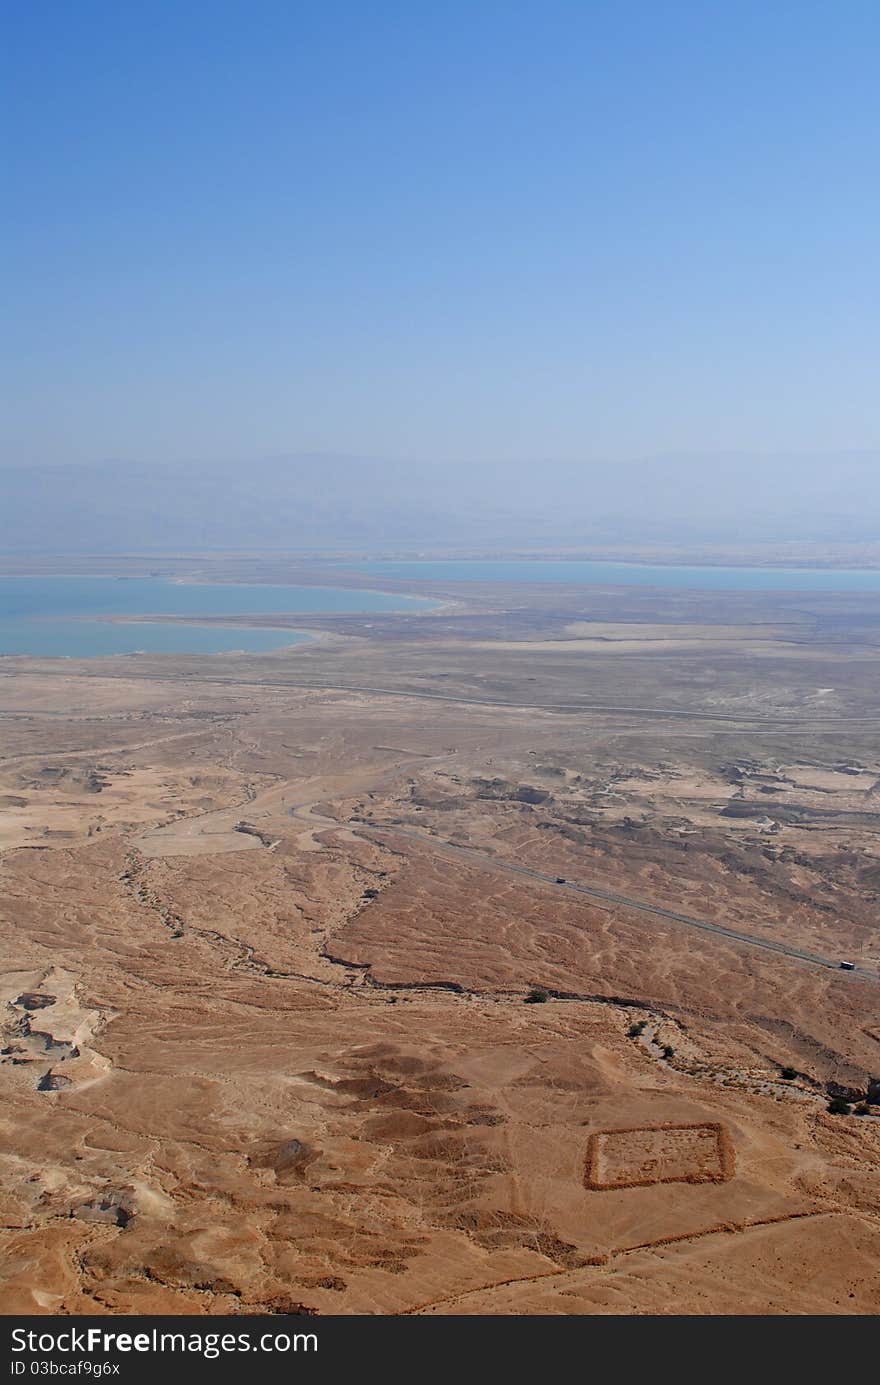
(312,502)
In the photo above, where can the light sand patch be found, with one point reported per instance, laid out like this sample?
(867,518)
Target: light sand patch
(625,630)
(60,811)
(608,646)
(47,1031)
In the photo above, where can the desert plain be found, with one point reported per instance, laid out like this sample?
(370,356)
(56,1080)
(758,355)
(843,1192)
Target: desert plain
(480,961)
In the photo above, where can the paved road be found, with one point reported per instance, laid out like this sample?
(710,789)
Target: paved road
(494,863)
(800,720)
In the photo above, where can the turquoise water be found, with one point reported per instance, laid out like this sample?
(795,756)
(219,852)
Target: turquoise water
(88,638)
(49,615)
(633,575)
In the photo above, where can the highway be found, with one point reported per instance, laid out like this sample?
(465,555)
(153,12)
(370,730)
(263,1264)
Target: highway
(494,863)
(798,720)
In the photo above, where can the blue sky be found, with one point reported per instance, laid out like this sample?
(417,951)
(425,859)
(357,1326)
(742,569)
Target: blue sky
(447,231)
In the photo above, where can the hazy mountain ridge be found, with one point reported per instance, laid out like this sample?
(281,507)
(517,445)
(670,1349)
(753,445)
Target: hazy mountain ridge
(315,501)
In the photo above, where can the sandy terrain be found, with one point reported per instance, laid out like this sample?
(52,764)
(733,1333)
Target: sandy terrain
(304,1003)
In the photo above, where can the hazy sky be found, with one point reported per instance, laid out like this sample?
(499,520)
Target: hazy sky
(441,230)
